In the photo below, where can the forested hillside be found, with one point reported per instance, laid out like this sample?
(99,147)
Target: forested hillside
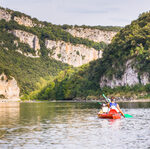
(131,44)
(104,28)
(23,53)
(27,71)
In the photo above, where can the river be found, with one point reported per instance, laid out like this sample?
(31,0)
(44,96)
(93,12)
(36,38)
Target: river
(68,125)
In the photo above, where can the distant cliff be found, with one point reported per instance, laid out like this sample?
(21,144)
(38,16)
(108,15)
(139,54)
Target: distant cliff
(74,52)
(20,18)
(129,55)
(5,15)
(27,38)
(71,54)
(75,55)
(130,77)
(93,34)
(8,88)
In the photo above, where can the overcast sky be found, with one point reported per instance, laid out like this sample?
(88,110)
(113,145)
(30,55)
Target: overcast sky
(88,12)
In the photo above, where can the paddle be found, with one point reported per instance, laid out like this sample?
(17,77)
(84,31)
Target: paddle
(128,116)
(107,99)
(100,103)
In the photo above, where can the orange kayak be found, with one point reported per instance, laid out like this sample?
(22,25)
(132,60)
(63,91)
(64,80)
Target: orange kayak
(112,114)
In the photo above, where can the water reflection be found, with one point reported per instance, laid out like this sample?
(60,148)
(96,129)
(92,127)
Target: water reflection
(33,113)
(9,113)
(71,125)
(132,105)
(9,116)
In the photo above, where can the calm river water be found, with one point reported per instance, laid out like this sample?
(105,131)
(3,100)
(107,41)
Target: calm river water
(53,125)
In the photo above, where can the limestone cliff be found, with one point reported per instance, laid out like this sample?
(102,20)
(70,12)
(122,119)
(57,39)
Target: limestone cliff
(28,38)
(75,55)
(21,20)
(24,21)
(5,15)
(8,88)
(93,34)
(130,77)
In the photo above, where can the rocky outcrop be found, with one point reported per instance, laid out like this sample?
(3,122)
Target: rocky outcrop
(75,55)
(8,88)
(145,78)
(4,15)
(130,77)
(92,34)
(24,21)
(21,20)
(28,38)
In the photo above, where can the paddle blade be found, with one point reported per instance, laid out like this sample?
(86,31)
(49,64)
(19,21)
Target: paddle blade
(128,116)
(107,99)
(99,103)
(104,96)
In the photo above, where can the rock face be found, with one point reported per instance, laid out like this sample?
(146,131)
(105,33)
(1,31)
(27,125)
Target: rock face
(130,77)
(75,55)
(8,88)
(5,15)
(24,21)
(28,38)
(93,34)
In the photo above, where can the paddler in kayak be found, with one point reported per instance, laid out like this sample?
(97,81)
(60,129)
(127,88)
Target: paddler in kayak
(114,105)
(104,108)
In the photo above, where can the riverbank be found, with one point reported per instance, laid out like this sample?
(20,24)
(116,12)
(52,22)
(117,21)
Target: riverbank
(10,100)
(136,100)
(74,100)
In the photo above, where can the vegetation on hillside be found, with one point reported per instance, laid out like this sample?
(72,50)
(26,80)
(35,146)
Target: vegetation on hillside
(83,83)
(103,28)
(27,71)
(71,83)
(132,42)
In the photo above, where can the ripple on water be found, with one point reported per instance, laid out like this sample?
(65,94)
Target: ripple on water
(71,127)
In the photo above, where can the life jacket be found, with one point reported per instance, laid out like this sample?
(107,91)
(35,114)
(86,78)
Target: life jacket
(113,106)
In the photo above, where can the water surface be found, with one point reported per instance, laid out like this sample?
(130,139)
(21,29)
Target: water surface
(67,125)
